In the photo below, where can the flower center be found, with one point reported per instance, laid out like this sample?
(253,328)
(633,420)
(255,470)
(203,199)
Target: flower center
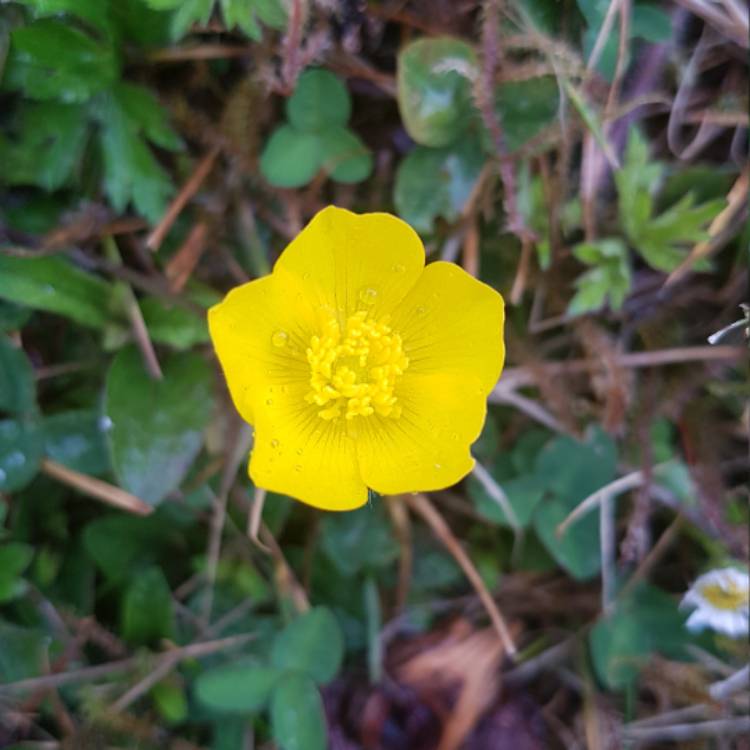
(728,597)
(353,372)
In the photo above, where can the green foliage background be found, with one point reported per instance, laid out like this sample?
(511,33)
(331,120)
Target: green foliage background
(109,388)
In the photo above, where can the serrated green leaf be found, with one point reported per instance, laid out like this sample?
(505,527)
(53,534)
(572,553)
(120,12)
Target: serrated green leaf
(312,644)
(290,157)
(53,60)
(48,147)
(76,439)
(320,101)
(242,688)
(131,173)
(297,718)
(55,285)
(189,12)
(434,89)
(432,183)
(143,108)
(157,426)
(344,156)
(17,386)
(21,451)
(94,12)
(610,278)
(147,612)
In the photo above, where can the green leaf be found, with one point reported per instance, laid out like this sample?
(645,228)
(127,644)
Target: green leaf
(147,613)
(142,107)
(94,12)
(55,60)
(320,101)
(171,701)
(651,23)
(24,652)
(76,439)
(15,557)
(360,540)
(17,387)
(290,158)
(344,156)
(242,688)
(49,146)
(298,720)
(434,89)
(432,183)
(13,317)
(172,324)
(55,285)
(312,644)
(526,108)
(609,279)
(573,470)
(157,425)
(523,493)
(21,447)
(131,173)
(621,643)
(189,12)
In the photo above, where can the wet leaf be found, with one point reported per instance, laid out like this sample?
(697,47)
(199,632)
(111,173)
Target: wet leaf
(17,386)
(157,425)
(297,718)
(77,440)
(21,451)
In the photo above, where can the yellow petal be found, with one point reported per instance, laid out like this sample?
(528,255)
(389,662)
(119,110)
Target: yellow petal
(451,323)
(350,262)
(428,446)
(299,454)
(260,339)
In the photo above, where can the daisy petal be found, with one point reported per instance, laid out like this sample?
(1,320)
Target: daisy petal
(452,323)
(351,262)
(299,454)
(427,447)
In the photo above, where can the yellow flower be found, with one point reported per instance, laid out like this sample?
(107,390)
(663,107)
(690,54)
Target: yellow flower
(357,365)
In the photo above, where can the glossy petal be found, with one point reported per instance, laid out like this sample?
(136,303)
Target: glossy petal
(243,327)
(451,323)
(299,454)
(349,262)
(428,447)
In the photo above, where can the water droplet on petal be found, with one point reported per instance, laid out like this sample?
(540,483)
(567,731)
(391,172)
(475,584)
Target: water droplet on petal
(421,310)
(368,295)
(398,268)
(274,443)
(279,338)
(298,467)
(269,401)
(299,451)
(438,466)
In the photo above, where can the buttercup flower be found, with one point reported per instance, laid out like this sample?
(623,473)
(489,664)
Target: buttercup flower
(721,601)
(357,365)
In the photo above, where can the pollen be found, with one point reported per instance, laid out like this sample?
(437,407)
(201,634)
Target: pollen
(354,369)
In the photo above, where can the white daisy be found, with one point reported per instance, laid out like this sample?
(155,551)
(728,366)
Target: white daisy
(720,598)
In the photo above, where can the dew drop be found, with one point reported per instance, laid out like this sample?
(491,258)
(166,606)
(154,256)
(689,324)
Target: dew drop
(298,467)
(421,310)
(279,338)
(269,401)
(398,268)
(105,424)
(3,475)
(438,466)
(368,295)
(454,436)
(299,451)
(274,443)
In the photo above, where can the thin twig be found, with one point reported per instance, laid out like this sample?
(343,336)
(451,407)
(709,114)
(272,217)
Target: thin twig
(442,531)
(255,518)
(496,493)
(189,189)
(96,488)
(686,732)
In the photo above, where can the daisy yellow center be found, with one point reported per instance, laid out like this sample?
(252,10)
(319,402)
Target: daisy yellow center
(729,596)
(354,368)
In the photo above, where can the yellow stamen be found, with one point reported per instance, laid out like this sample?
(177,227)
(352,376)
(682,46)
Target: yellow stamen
(354,372)
(726,596)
